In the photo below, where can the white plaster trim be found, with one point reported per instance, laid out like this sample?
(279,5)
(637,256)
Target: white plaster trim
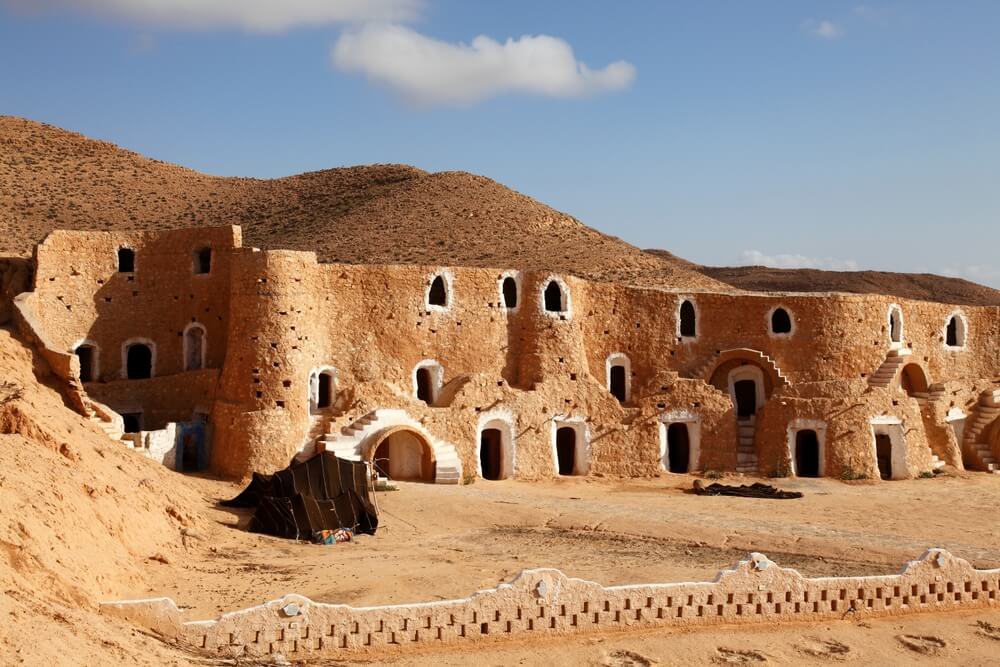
(747,372)
(677,319)
(152,357)
(516,276)
(312,396)
(204,344)
(502,420)
(693,421)
(567,299)
(449,299)
(581,463)
(803,424)
(962,331)
(447,466)
(892,427)
(437,377)
(769,321)
(955,414)
(619,359)
(895,308)
(96,365)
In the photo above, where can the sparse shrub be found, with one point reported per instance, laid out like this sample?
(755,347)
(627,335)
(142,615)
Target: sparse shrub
(468,478)
(781,470)
(848,474)
(927,474)
(712,474)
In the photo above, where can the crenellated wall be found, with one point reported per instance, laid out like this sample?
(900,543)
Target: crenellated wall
(275,320)
(547,603)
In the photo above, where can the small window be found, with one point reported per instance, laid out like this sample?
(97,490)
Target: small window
(194,347)
(689,321)
(553,297)
(781,321)
(138,361)
(424,390)
(126,260)
(438,295)
(895,324)
(509,289)
(955,331)
(618,383)
(203,260)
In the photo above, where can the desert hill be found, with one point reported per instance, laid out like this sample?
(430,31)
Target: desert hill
(51,178)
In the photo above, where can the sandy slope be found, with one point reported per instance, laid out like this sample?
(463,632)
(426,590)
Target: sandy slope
(79,519)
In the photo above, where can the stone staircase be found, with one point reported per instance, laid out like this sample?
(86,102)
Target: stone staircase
(886,373)
(986,411)
(110,422)
(746,455)
(934,393)
(346,443)
(701,372)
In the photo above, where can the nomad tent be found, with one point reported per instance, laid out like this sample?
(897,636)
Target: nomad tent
(321,493)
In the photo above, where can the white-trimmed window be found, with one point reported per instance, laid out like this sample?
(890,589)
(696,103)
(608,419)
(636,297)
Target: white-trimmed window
(509,286)
(895,324)
(687,320)
(322,388)
(437,296)
(956,331)
(780,322)
(555,298)
(618,376)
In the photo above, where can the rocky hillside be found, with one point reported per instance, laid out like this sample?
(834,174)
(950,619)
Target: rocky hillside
(51,178)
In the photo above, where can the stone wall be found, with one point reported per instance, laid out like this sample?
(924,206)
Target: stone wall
(275,319)
(542,603)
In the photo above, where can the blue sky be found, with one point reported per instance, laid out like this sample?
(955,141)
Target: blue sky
(824,134)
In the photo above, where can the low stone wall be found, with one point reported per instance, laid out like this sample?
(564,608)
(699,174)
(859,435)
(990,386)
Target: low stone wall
(545,602)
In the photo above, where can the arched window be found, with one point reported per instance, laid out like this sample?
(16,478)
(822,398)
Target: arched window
(203,260)
(955,331)
(618,371)
(781,321)
(509,289)
(895,324)
(553,297)
(438,293)
(138,361)
(126,260)
(194,347)
(87,354)
(688,320)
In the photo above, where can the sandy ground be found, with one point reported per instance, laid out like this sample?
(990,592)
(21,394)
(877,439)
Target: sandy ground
(441,542)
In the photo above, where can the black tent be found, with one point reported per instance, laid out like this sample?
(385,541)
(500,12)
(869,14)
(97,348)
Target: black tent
(321,493)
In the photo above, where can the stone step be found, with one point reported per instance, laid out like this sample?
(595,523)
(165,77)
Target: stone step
(746,458)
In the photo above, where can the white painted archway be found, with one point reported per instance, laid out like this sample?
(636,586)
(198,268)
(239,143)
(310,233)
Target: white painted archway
(503,421)
(747,372)
(797,425)
(693,422)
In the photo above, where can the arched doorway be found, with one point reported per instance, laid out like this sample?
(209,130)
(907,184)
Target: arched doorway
(404,455)
(566,450)
(807,453)
(424,390)
(913,380)
(678,448)
(883,455)
(745,398)
(491,453)
(138,361)
(324,390)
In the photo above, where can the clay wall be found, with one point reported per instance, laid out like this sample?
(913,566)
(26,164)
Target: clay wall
(547,603)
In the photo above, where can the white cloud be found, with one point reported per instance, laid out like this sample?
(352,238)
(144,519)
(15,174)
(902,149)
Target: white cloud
(757,258)
(824,29)
(251,15)
(429,72)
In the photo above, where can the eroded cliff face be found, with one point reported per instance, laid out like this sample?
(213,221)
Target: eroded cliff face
(558,366)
